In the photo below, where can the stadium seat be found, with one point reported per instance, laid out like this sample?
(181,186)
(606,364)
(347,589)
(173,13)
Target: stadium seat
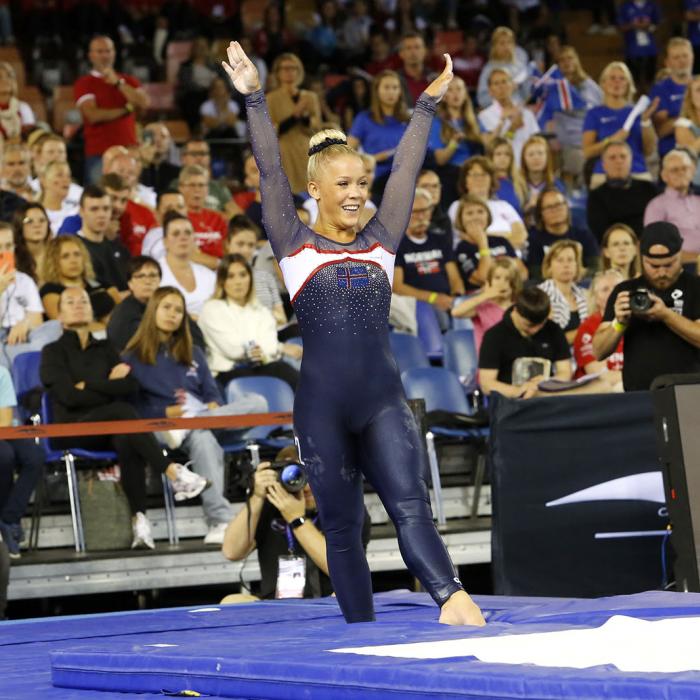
(408,351)
(460,357)
(429,330)
(25,377)
(33,97)
(161,98)
(179,130)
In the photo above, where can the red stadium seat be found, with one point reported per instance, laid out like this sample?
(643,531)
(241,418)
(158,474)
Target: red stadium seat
(450,42)
(33,97)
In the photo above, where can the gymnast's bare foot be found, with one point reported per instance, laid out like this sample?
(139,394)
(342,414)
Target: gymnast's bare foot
(460,609)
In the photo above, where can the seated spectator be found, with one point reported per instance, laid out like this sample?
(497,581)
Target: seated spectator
(272,519)
(169,200)
(16,171)
(55,181)
(143,278)
(31,234)
(249,200)
(21,312)
(511,183)
(586,363)
(48,148)
(195,282)
(562,268)
(454,135)
(440,223)
(605,123)
(677,204)
(194,78)
(126,162)
(487,306)
(414,69)
(476,250)
(537,167)
(240,333)
(357,100)
(86,382)
(469,64)
(505,55)
(524,332)
(687,126)
(219,115)
(156,146)
(16,116)
(425,264)
(620,251)
(505,117)
(553,223)
(109,257)
(172,377)
(621,198)
(208,225)
(67,264)
(477,177)
(22,456)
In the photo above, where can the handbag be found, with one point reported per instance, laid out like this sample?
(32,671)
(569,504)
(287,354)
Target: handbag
(105,511)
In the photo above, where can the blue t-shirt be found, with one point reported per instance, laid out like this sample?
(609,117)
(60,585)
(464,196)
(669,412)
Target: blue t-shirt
(670,95)
(539,242)
(506,192)
(693,27)
(639,42)
(71,224)
(467,255)
(464,150)
(605,121)
(8,399)
(375,138)
(423,264)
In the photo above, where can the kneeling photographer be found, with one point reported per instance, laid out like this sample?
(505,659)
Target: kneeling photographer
(281,521)
(657,313)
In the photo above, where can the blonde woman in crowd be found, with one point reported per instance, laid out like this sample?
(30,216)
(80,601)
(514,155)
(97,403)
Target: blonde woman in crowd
(687,127)
(505,54)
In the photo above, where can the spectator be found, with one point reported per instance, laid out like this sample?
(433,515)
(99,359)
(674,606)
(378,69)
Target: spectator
(296,114)
(31,234)
(537,167)
(358,100)
(562,268)
(107,101)
(425,264)
(240,333)
(209,226)
(143,277)
(172,375)
(524,332)
(86,381)
(128,166)
(671,91)
(380,54)
(55,182)
(553,223)
(16,169)
(109,257)
(469,64)
(487,306)
(664,339)
(321,45)
(414,73)
(478,177)
(156,147)
(195,282)
(586,363)
(47,149)
(272,519)
(67,264)
(620,252)
(621,198)
(687,126)
(677,204)
(504,117)
(505,55)
(454,135)
(24,457)
(355,32)
(170,200)
(249,200)
(379,129)
(273,38)
(16,116)
(21,313)
(511,183)
(194,78)
(605,123)
(219,114)
(440,223)
(638,20)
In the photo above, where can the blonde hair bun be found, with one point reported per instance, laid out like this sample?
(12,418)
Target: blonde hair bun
(325,138)
(325,145)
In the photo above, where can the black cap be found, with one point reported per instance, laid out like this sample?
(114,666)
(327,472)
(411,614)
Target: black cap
(661,233)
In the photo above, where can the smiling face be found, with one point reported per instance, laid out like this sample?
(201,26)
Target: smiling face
(237,284)
(170,314)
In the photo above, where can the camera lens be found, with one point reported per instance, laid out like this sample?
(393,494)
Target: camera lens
(293,478)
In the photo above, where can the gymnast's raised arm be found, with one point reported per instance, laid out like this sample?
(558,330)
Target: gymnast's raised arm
(280,219)
(395,209)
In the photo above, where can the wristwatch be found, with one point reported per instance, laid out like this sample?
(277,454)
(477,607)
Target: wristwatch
(297,522)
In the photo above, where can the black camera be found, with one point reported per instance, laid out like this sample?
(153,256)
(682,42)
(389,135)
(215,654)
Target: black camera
(291,474)
(640,301)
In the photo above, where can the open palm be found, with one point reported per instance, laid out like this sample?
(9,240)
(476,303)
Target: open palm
(241,70)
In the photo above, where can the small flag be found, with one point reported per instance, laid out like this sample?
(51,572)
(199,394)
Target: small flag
(352,277)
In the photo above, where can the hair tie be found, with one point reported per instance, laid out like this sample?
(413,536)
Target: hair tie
(325,143)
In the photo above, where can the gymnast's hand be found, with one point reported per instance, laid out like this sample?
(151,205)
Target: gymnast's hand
(438,87)
(241,70)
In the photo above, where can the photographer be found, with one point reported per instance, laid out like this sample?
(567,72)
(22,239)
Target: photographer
(657,313)
(283,526)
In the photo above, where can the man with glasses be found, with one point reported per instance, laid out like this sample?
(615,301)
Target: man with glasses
(439,221)
(678,205)
(553,223)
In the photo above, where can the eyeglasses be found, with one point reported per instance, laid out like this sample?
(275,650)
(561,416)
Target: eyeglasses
(549,207)
(146,276)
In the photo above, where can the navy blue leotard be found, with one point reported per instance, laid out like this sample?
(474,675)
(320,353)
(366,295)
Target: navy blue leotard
(350,412)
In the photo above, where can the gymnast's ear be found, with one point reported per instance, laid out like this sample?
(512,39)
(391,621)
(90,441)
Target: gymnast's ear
(313,189)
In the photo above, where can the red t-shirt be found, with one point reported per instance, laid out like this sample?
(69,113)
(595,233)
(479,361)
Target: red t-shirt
(583,347)
(135,223)
(210,229)
(118,132)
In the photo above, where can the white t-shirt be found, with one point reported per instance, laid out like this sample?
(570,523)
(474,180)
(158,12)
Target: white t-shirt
(75,191)
(152,243)
(20,298)
(489,118)
(204,279)
(208,109)
(503,216)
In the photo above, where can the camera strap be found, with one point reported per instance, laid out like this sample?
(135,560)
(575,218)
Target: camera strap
(290,536)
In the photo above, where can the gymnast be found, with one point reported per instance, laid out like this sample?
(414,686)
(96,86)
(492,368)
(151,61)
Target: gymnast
(350,412)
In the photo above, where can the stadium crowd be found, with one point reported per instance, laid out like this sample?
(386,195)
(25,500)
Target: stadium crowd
(140,267)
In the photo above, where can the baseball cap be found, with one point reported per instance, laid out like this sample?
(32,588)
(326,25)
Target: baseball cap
(660,233)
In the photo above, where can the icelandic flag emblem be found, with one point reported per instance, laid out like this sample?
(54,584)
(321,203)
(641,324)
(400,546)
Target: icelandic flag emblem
(352,277)
(560,96)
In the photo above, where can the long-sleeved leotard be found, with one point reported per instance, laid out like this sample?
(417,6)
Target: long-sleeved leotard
(350,410)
